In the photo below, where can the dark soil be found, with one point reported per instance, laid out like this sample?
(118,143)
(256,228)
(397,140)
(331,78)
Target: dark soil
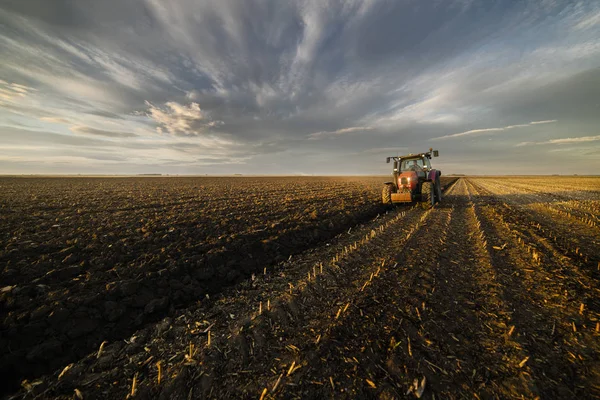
(488,294)
(88,260)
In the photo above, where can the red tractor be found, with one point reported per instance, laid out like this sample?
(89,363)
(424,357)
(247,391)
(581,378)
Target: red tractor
(414,180)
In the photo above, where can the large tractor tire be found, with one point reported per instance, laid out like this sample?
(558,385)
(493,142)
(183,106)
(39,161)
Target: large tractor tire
(386,194)
(427,195)
(438,191)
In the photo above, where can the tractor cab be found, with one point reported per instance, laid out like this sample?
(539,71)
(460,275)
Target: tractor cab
(420,165)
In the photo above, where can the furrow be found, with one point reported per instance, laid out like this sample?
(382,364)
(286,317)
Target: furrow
(549,313)
(275,295)
(353,337)
(576,242)
(324,306)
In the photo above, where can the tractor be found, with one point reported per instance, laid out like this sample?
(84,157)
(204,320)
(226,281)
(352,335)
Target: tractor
(414,180)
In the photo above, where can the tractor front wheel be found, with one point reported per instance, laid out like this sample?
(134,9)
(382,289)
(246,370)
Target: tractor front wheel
(386,194)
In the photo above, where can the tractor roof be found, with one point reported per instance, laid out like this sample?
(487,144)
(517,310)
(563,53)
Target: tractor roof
(414,156)
(419,155)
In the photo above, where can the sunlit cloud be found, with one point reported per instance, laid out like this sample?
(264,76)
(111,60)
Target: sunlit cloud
(177,119)
(12,90)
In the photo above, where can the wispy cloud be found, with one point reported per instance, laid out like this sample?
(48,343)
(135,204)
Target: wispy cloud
(589,21)
(86,130)
(11,90)
(487,130)
(55,120)
(575,140)
(383,150)
(571,140)
(543,122)
(343,131)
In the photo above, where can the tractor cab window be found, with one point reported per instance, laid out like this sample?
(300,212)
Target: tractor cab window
(412,165)
(426,164)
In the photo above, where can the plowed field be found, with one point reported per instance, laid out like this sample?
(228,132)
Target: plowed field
(299,288)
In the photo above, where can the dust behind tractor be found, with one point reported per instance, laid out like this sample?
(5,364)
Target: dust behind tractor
(414,180)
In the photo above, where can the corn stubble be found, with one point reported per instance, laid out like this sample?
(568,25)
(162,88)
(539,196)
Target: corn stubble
(393,306)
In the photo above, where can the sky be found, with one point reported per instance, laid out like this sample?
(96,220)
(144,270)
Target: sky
(324,87)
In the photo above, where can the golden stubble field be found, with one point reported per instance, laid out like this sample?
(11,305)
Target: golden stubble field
(299,288)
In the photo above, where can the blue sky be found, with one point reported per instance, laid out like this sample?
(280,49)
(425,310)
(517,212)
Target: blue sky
(298,87)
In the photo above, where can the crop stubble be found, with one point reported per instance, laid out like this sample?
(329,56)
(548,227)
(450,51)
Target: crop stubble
(492,293)
(94,259)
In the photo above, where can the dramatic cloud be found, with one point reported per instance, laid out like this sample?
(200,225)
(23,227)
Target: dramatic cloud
(301,86)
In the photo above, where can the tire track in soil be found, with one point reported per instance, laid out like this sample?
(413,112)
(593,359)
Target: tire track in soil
(436,315)
(278,340)
(352,349)
(111,374)
(286,355)
(469,318)
(548,307)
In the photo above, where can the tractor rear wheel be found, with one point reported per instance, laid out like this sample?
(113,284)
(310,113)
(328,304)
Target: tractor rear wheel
(386,194)
(438,191)
(427,195)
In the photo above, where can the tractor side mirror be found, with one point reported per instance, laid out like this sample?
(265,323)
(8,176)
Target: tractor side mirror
(387,160)
(436,153)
